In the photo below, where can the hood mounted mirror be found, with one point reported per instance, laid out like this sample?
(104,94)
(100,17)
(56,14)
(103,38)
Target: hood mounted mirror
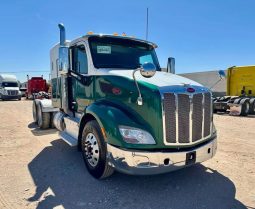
(147,70)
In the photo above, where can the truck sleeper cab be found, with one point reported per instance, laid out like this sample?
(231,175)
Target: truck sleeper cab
(111,99)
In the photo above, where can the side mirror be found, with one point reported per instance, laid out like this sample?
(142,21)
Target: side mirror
(222,74)
(148,70)
(171,65)
(63,59)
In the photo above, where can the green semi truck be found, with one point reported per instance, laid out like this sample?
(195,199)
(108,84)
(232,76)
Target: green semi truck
(111,99)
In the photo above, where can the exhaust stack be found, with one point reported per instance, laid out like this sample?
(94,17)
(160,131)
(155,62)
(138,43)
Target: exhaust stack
(63,67)
(62,34)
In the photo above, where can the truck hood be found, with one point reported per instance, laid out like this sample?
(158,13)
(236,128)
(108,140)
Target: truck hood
(160,79)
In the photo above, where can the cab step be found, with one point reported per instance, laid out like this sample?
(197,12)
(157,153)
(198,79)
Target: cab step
(68,139)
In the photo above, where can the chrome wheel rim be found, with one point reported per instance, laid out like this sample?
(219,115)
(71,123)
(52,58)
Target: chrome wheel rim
(91,149)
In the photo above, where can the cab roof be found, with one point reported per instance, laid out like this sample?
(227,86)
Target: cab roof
(121,37)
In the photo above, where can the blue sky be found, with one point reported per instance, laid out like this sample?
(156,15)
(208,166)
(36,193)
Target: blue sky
(201,34)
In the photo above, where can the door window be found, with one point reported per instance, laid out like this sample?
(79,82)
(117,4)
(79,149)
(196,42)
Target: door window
(80,61)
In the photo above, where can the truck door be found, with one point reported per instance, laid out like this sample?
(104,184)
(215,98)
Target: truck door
(81,87)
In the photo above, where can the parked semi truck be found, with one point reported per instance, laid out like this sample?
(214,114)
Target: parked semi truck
(9,87)
(240,99)
(36,87)
(111,100)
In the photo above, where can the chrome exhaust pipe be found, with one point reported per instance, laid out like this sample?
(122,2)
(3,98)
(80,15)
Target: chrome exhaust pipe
(63,67)
(62,34)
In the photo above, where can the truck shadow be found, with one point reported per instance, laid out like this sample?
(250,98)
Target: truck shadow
(60,168)
(36,131)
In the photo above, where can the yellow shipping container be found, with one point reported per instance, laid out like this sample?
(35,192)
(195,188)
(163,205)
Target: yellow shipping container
(241,81)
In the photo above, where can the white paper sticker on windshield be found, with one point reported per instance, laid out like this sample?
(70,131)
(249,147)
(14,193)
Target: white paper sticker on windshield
(104,49)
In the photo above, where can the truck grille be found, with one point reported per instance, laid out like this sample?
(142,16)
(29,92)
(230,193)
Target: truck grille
(187,118)
(12,92)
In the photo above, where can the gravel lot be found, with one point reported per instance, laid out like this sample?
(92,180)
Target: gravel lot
(38,170)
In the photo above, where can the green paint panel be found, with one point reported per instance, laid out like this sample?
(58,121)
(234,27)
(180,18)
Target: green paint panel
(118,98)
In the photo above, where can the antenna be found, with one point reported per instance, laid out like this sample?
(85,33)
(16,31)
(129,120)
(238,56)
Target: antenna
(147,23)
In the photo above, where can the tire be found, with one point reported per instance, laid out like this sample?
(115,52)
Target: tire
(252,106)
(43,118)
(34,109)
(237,101)
(245,107)
(52,114)
(95,156)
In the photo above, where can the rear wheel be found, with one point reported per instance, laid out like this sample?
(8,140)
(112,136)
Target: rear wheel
(35,111)
(43,118)
(252,106)
(51,119)
(94,151)
(245,107)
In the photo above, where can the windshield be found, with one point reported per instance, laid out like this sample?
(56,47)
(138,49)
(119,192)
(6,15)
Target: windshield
(109,52)
(9,84)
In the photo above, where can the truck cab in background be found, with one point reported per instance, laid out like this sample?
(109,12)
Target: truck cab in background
(9,87)
(111,100)
(36,87)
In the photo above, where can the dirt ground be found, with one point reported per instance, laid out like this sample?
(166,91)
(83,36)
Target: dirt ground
(38,170)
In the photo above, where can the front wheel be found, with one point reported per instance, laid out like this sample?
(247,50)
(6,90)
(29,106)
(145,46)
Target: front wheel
(94,151)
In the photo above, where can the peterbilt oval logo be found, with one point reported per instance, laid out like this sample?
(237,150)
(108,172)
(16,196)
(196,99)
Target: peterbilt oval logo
(191,90)
(116,91)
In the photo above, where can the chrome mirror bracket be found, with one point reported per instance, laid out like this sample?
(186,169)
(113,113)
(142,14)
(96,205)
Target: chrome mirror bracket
(147,70)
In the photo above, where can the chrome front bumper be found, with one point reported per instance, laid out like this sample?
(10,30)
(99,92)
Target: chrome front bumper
(138,162)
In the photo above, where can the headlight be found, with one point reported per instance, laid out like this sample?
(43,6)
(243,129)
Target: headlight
(135,135)
(19,92)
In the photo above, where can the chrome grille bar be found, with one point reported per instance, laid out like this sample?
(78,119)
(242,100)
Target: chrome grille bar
(177,119)
(183,118)
(190,118)
(207,114)
(197,117)
(170,108)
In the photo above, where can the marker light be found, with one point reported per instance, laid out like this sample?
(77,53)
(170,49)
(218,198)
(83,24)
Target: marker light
(115,34)
(124,34)
(90,33)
